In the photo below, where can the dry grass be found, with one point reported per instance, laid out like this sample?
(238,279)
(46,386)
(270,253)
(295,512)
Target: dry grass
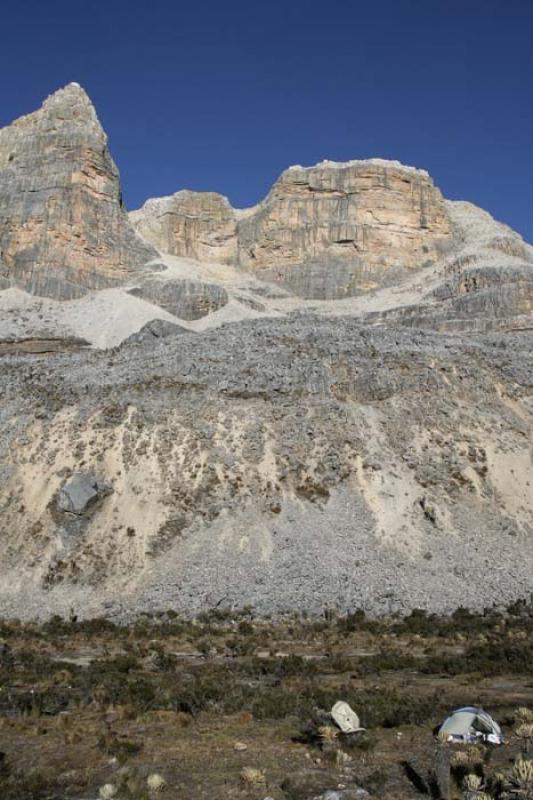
(90,704)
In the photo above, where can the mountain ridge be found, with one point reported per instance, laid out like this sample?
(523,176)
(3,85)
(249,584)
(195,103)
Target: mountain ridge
(325,400)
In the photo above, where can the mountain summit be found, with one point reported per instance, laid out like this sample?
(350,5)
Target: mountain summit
(63,229)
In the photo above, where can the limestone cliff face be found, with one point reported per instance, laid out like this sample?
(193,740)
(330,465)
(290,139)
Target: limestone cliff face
(327,231)
(199,225)
(379,213)
(484,284)
(63,229)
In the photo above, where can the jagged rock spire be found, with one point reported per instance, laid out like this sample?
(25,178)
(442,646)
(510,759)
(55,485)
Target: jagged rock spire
(62,226)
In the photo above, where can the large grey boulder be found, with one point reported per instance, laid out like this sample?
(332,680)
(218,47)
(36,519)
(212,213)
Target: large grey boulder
(81,493)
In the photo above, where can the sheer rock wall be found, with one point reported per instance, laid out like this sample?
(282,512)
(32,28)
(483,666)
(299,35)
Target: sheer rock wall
(63,229)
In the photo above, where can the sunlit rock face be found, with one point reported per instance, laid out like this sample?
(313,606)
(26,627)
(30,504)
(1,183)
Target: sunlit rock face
(63,229)
(363,221)
(325,232)
(199,225)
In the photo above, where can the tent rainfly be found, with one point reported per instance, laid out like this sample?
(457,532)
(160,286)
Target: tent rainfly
(470,724)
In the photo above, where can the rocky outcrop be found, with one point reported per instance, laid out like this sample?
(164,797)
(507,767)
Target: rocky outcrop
(485,285)
(199,225)
(377,216)
(63,229)
(185,299)
(41,345)
(153,331)
(324,232)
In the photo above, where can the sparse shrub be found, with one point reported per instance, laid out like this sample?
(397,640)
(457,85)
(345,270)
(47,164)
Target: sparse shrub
(245,628)
(113,745)
(253,776)
(156,783)
(123,663)
(362,741)
(29,784)
(328,734)
(514,784)
(291,665)
(473,788)
(525,733)
(387,660)
(316,729)
(335,664)
(522,773)
(472,783)
(375,782)
(241,647)
(467,764)
(356,621)
(472,756)
(217,615)
(460,759)
(161,660)
(204,647)
(499,657)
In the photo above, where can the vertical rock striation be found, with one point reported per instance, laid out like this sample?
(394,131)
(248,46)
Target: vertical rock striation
(363,221)
(199,225)
(63,229)
(328,231)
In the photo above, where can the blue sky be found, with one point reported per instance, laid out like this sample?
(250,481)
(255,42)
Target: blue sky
(224,95)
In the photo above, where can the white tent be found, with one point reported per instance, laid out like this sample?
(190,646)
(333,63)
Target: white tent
(470,724)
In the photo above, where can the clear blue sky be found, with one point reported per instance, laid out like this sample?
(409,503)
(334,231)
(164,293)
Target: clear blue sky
(224,94)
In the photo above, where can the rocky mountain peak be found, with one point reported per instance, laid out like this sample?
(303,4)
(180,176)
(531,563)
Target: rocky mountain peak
(358,163)
(69,105)
(200,225)
(70,95)
(62,226)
